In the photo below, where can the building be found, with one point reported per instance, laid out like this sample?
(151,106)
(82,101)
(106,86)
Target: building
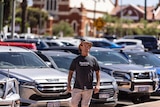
(136,13)
(78,13)
(82,16)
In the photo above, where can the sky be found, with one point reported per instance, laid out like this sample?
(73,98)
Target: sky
(30,2)
(125,2)
(138,2)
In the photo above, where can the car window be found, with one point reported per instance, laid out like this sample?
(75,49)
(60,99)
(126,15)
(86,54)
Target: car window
(62,61)
(150,60)
(67,44)
(19,60)
(126,43)
(109,57)
(100,44)
(146,39)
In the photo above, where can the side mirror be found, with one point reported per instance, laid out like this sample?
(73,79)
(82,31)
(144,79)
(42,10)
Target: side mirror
(49,64)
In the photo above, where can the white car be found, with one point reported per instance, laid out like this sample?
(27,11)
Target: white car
(69,41)
(9,92)
(39,85)
(8,35)
(130,44)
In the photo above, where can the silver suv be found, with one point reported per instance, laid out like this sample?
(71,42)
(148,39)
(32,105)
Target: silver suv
(9,92)
(39,84)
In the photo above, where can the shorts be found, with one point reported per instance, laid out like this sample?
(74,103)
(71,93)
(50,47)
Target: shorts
(81,95)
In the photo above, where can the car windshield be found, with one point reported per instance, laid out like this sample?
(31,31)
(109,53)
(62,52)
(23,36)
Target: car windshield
(110,57)
(63,62)
(149,60)
(20,60)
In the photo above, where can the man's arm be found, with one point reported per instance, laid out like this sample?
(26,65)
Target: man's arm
(70,74)
(97,87)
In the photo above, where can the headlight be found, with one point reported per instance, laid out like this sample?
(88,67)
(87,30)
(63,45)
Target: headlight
(155,75)
(114,83)
(26,83)
(1,90)
(108,71)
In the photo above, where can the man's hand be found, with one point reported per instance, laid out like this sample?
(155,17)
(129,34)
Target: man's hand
(96,89)
(68,88)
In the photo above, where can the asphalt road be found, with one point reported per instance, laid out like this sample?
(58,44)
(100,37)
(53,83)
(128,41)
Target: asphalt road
(154,100)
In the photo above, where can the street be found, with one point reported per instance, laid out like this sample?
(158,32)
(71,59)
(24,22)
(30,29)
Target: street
(128,103)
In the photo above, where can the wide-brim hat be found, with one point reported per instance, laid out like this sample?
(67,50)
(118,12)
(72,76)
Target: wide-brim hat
(85,41)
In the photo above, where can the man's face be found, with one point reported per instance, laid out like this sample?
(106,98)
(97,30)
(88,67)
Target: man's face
(85,47)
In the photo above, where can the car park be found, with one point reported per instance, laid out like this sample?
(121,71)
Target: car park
(150,42)
(108,86)
(9,92)
(135,80)
(130,44)
(39,85)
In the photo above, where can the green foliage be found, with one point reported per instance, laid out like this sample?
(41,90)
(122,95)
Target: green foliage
(35,16)
(63,27)
(122,27)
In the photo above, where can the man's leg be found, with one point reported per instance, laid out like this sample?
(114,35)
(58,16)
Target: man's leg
(86,98)
(76,97)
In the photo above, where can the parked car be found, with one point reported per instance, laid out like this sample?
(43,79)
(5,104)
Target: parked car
(40,44)
(135,80)
(102,42)
(31,46)
(9,91)
(146,59)
(108,86)
(150,42)
(110,37)
(130,44)
(53,42)
(39,84)
(8,35)
(69,41)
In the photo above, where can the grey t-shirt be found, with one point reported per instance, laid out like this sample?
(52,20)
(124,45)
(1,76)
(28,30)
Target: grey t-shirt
(84,66)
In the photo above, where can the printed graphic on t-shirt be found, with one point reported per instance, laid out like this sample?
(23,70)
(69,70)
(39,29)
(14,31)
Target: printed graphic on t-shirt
(83,63)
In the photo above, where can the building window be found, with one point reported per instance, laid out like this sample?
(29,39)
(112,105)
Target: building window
(51,5)
(75,25)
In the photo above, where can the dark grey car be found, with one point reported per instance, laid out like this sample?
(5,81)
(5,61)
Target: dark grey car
(62,60)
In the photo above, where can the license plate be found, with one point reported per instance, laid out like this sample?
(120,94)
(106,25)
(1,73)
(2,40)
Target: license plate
(53,104)
(103,95)
(142,89)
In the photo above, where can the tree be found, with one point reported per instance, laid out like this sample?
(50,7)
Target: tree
(63,27)
(35,17)
(24,8)
(6,11)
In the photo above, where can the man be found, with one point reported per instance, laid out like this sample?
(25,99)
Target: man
(84,66)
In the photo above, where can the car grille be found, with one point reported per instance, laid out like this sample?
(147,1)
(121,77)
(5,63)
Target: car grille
(103,83)
(109,91)
(52,87)
(144,75)
(41,98)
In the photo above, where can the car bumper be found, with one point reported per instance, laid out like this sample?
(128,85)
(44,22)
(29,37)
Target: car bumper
(8,101)
(34,97)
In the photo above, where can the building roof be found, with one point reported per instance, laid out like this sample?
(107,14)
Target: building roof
(101,6)
(152,12)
